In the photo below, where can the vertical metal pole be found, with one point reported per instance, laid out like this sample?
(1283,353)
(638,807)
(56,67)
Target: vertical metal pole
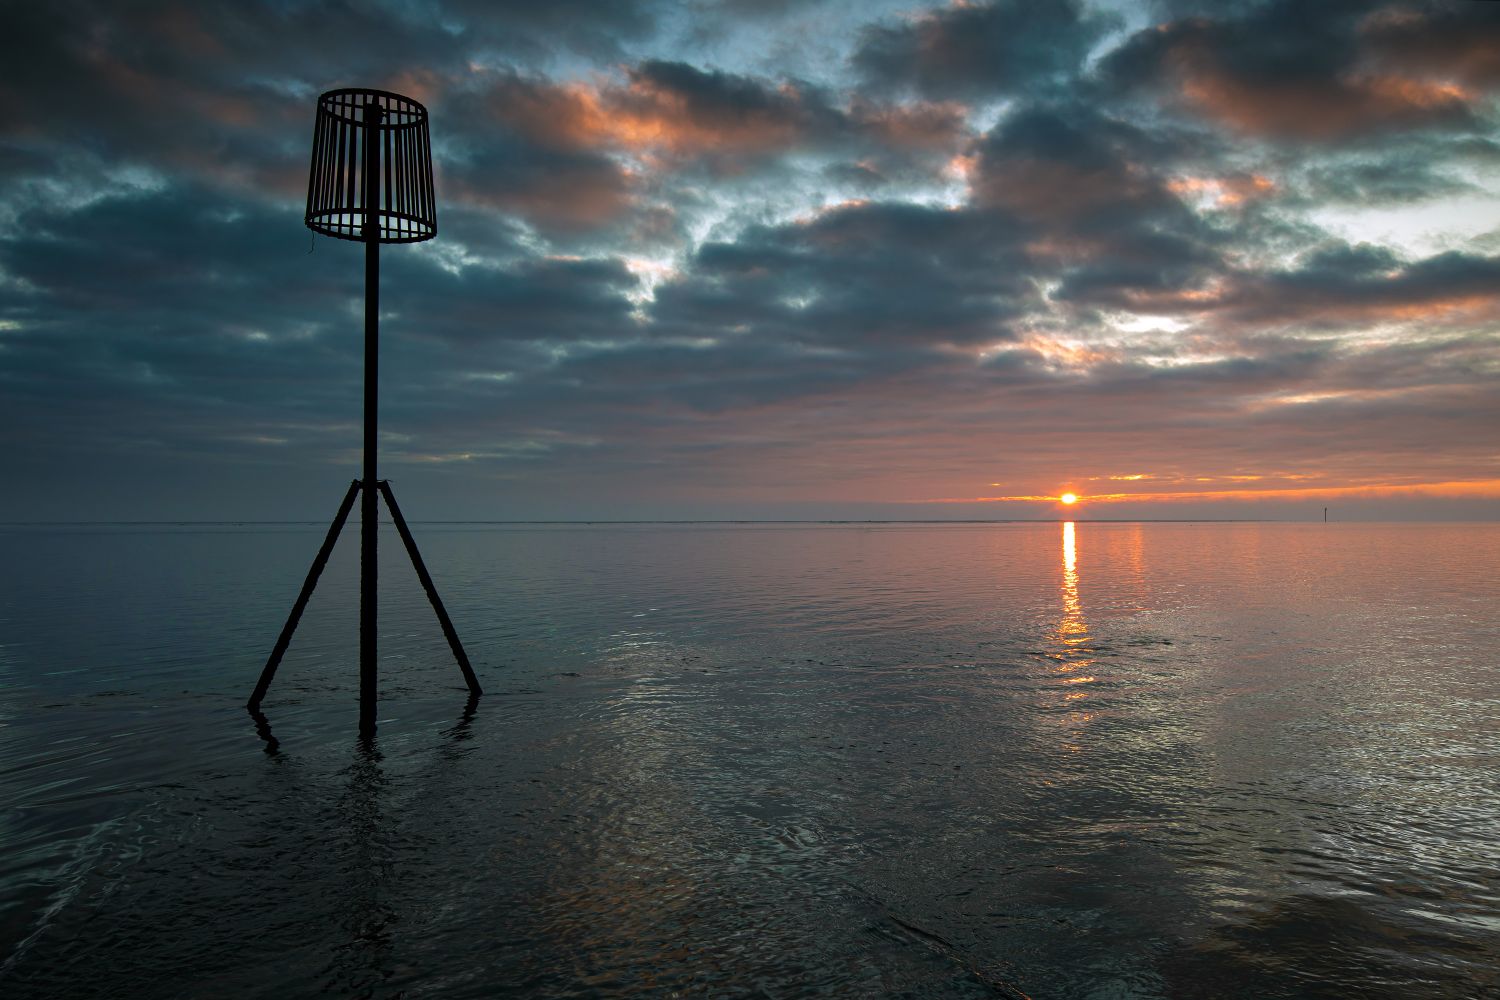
(368,506)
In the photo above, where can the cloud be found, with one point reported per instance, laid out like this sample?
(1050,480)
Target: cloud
(1460,42)
(559,190)
(678,112)
(980,51)
(1363,283)
(1405,174)
(1106,219)
(1338,286)
(1290,71)
(1070,165)
(897,277)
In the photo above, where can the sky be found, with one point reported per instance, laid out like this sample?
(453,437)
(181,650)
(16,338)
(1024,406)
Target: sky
(733,259)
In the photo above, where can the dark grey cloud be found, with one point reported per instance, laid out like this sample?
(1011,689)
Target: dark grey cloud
(559,190)
(533,299)
(878,279)
(601,29)
(1326,72)
(1454,41)
(1400,176)
(981,51)
(733,103)
(1096,194)
(1342,285)
(1068,164)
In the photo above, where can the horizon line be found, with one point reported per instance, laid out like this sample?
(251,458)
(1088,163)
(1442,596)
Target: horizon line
(800,520)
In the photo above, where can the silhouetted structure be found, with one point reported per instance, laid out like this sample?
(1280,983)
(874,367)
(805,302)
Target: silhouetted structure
(370,182)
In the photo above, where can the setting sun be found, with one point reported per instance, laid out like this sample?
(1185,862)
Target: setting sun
(1069,498)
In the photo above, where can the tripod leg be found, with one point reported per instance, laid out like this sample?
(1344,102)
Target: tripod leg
(432,594)
(285,639)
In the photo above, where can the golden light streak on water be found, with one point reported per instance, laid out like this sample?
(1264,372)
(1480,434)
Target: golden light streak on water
(1072,630)
(1075,645)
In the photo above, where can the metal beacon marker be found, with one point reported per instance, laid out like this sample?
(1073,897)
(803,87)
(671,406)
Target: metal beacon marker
(371,183)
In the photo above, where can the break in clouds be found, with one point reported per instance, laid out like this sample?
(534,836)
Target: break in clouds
(736,259)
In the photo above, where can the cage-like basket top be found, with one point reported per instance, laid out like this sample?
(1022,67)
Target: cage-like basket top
(356,127)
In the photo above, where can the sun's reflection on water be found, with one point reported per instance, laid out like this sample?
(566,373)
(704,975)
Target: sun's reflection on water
(1075,650)
(1072,630)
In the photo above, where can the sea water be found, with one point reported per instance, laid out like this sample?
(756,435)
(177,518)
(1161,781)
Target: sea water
(1046,759)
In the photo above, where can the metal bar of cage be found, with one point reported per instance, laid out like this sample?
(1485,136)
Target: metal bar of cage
(403,196)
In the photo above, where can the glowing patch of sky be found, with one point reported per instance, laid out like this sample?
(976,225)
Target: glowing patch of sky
(1454,222)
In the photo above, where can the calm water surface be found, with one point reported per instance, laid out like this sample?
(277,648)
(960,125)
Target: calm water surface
(1092,760)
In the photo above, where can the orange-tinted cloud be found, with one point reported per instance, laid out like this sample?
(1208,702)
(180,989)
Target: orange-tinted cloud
(1487,489)
(1323,111)
(1046,190)
(1223,192)
(657,111)
(1451,44)
(1447,289)
(1324,82)
(639,117)
(676,112)
(569,195)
